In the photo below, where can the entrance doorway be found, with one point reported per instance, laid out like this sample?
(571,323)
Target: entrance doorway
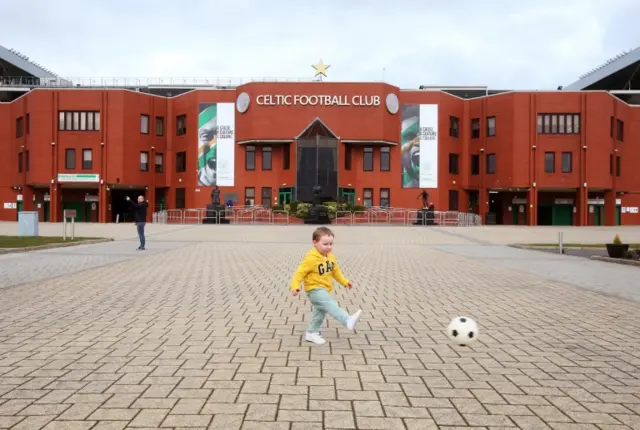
(347,195)
(317,162)
(285,195)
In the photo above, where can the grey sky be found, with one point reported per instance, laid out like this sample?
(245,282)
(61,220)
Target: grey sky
(504,44)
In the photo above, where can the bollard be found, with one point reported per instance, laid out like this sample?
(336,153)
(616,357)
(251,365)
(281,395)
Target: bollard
(64,228)
(73,228)
(561,242)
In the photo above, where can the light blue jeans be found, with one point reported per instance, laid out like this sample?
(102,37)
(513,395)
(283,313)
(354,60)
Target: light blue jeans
(324,304)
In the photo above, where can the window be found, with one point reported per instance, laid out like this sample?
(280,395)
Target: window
(249,157)
(249,196)
(266,197)
(159,162)
(367,197)
(27,123)
(491,163)
(181,161)
(549,162)
(19,162)
(475,164)
(159,126)
(567,162)
(347,157)
(70,158)
(26,161)
(181,125)
(453,163)
(286,162)
(144,161)
(558,123)
(491,126)
(181,202)
(453,200)
(19,127)
(87,159)
(144,124)
(79,121)
(368,159)
(454,126)
(385,202)
(618,166)
(385,159)
(475,128)
(266,158)
(619,130)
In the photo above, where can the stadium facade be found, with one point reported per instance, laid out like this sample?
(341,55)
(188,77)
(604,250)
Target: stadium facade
(564,157)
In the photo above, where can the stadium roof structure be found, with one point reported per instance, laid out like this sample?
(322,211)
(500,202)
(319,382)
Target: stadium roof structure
(11,59)
(621,73)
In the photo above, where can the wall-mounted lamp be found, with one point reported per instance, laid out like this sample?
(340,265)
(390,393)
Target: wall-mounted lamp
(533,147)
(53,144)
(481,149)
(534,185)
(101,143)
(584,147)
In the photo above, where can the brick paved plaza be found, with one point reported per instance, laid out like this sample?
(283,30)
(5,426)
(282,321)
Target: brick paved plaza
(200,331)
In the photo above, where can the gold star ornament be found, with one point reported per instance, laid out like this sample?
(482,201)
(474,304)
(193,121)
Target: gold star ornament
(321,68)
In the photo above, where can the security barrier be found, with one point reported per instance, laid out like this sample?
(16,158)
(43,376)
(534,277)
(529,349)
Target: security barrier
(374,216)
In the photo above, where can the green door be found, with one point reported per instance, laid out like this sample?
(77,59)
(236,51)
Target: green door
(516,214)
(562,215)
(79,208)
(349,194)
(618,215)
(598,219)
(285,195)
(19,209)
(46,209)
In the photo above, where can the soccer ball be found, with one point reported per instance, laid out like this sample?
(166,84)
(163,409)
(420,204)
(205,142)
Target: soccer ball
(462,330)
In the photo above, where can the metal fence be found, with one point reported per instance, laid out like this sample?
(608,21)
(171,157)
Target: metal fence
(262,215)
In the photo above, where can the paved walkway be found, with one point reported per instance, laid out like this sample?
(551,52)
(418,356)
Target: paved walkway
(200,332)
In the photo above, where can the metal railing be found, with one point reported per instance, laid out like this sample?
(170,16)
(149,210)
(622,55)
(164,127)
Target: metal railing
(262,215)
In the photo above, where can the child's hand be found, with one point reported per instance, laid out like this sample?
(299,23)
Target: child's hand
(295,292)
(349,285)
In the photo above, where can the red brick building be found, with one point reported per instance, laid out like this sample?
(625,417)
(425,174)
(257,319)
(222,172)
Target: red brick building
(557,157)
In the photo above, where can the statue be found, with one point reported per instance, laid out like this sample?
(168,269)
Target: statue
(215,196)
(317,193)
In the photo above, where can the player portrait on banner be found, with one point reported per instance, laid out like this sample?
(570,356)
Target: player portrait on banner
(207,144)
(410,142)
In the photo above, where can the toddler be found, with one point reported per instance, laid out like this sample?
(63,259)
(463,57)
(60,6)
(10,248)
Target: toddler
(318,269)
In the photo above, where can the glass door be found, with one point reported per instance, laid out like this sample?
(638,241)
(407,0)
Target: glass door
(347,195)
(285,195)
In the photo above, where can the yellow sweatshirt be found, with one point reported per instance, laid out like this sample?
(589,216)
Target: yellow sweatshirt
(318,271)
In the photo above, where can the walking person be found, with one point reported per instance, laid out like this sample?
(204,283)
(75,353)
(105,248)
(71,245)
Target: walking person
(140,214)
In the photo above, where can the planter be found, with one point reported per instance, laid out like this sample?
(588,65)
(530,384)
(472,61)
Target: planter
(617,251)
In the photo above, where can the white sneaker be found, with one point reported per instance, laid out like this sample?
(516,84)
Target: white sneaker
(314,338)
(353,319)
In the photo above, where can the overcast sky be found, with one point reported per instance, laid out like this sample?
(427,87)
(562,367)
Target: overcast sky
(503,44)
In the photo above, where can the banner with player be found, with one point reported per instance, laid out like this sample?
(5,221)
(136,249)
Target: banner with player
(216,144)
(419,140)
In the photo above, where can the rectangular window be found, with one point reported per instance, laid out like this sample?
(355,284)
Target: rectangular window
(20,162)
(454,126)
(286,162)
(19,127)
(144,124)
(266,197)
(144,161)
(558,123)
(491,126)
(561,127)
(181,125)
(385,159)
(367,162)
(181,161)
(26,161)
(159,126)
(249,196)
(491,163)
(475,164)
(475,128)
(69,158)
(618,166)
(549,162)
(79,121)
(367,197)
(347,157)
(453,164)
(453,200)
(266,158)
(181,200)
(27,123)
(87,159)
(554,124)
(567,162)
(385,201)
(249,157)
(159,162)
(620,130)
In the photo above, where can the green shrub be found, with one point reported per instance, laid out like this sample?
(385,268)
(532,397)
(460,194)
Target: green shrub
(616,240)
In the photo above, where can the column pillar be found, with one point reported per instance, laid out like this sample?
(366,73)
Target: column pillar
(532,206)
(610,208)
(54,203)
(582,206)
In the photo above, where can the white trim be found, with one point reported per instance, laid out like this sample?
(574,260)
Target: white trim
(264,141)
(317,119)
(372,141)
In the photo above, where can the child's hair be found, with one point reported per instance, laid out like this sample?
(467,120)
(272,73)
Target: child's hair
(321,231)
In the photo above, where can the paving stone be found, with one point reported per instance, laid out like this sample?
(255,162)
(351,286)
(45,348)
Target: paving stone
(201,332)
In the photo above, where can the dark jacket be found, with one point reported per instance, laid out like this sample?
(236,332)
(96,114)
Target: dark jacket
(139,210)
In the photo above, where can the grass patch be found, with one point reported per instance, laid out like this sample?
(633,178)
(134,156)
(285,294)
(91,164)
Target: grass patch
(27,241)
(573,245)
